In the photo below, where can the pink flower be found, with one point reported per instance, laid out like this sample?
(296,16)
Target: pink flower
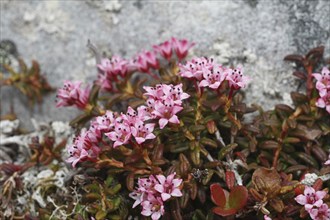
(181,47)
(106,122)
(138,197)
(164,103)
(155,92)
(146,111)
(94,135)
(100,125)
(151,194)
(146,60)
(236,78)
(213,78)
(76,155)
(147,184)
(323,81)
(120,135)
(328,161)
(131,117)
(196,68)
(310,198)
(166,112)
(324,102)
(114,67)
(164,49)
(266,217)
(72,94)
(320,213)
(174,93)
(119,66)
(104,82)
(153,207)
(168,186)
(110,69)
(105,66)
(145,187)
(82,149)
(142,132)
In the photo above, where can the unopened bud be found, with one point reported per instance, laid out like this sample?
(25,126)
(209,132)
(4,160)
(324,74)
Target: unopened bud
(211,127)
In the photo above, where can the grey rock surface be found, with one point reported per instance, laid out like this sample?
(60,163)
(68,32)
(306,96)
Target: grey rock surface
(255,33)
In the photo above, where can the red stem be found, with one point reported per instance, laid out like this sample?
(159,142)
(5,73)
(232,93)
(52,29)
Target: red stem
(309,83)
(230,93)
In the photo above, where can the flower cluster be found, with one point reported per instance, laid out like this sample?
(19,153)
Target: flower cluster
(144,61)
(210,74)
(152,192)
(164,102)
(118,128)
(148,59)
(83,148)
(180,48)
(323,87)
(313,203)
(110,70)
(71,94)
(130,124)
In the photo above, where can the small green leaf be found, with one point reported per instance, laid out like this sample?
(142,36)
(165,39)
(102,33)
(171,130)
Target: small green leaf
(108,181)
(208,177)
(198,215)
(114,189)
(195,156)
(291,140)
(81,119)
(94,94)
(298,98)
(100,215)
(197,128)
(209,142)
(268,145)
(295,168)
(319,153)
(308,159)
(226,150)
(92,196)
(179,148)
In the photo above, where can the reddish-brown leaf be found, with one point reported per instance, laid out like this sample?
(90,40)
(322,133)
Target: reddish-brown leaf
(230,179)
(224,212)
(269,145)
(318,184)
(277,204)
(294,58)
(238,197)
(130,181)
(300,75)
(218,195)
(211,127)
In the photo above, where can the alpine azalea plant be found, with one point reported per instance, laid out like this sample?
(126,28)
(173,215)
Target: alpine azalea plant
(181,148)
(164,135)
(323,87)
(152,192)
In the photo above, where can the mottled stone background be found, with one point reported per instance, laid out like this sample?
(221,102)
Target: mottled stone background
(256,33)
